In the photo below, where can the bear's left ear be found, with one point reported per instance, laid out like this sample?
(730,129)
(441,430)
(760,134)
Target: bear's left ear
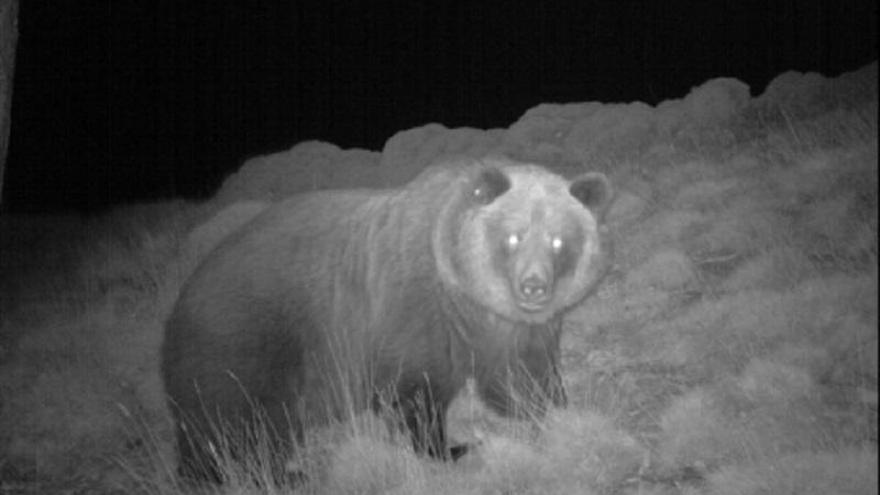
(594,191)
(489,184)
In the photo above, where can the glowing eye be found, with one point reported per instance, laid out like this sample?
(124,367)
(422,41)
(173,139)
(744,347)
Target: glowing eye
(513,240)
(556,243)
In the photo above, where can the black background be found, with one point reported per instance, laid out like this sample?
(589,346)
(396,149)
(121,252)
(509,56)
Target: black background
(121,100)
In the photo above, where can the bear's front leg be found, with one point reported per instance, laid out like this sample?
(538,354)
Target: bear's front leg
(426,422)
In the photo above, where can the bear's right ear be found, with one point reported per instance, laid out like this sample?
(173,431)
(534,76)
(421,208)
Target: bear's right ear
(489,184)
(594,191)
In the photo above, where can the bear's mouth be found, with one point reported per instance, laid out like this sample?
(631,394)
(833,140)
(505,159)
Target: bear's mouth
(532,306)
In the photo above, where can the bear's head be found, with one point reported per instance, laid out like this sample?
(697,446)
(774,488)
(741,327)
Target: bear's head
(523,242)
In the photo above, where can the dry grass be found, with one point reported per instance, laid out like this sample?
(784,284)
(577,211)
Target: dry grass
(733,350)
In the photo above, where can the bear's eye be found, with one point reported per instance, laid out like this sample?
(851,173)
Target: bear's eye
(512,241)
(556,243)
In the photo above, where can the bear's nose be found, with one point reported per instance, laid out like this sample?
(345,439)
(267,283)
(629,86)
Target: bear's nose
(533,288)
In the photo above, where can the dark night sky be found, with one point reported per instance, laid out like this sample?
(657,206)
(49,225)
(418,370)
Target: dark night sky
(120,100)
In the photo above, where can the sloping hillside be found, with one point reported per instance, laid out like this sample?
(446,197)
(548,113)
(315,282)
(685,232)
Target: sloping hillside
(733,348)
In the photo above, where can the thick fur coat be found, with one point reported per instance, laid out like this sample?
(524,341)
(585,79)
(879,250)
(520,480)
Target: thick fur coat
(337,300)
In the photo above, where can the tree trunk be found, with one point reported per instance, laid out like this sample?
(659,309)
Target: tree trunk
(8,39)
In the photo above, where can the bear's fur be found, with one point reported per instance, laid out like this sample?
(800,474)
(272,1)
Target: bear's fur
(335,300)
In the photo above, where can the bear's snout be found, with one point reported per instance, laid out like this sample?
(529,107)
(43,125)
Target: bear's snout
(533,292)
(533,287)
(532,282)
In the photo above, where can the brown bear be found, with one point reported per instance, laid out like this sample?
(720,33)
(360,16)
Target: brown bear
(337,300)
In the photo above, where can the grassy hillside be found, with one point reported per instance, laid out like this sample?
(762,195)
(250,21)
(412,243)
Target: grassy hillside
(732,350)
